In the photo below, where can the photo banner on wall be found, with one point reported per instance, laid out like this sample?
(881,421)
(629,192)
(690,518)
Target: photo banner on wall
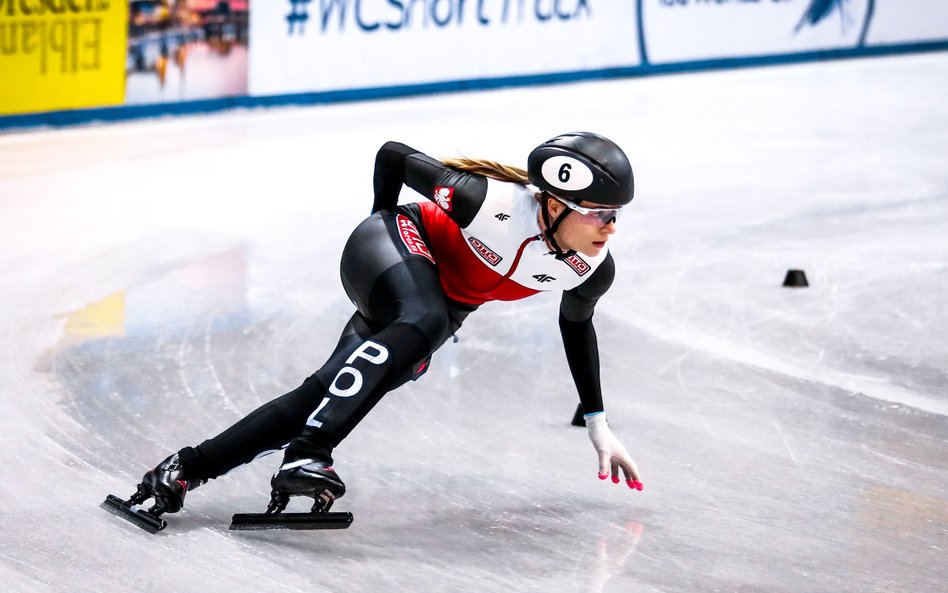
(300,46)
(61,55)
(186,50)
(690,30)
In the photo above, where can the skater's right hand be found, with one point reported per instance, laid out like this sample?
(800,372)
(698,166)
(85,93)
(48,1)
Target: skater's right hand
(612,453)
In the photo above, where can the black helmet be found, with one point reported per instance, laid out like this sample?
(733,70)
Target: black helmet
(582,166)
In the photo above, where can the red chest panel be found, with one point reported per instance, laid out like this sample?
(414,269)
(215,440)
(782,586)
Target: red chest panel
(467,276)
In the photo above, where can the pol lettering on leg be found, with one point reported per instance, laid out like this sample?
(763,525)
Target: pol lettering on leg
(371,351)
(380,355)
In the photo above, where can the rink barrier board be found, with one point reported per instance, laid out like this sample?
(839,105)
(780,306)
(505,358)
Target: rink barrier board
(206,106)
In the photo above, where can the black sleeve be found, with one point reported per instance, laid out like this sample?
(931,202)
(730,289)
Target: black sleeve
(397,165)
(579,335)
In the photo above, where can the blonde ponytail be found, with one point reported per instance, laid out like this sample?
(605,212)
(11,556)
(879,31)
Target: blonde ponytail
(487,168)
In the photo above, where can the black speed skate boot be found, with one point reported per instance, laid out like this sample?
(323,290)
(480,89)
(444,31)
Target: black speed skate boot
(167,485)
(314,478)
(310,477)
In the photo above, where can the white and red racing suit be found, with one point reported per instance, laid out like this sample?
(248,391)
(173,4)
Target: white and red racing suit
(415,272)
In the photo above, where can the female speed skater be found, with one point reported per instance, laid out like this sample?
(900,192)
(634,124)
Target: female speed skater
(414,273)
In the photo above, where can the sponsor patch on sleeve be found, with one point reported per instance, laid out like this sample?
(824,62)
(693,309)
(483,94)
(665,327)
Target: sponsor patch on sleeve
(411,237)
(443,197)
(578,264)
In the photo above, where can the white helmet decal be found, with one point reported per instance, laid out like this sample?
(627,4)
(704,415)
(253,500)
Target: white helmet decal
(566,173)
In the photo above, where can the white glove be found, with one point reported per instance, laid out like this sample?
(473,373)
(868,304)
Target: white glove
(612,453)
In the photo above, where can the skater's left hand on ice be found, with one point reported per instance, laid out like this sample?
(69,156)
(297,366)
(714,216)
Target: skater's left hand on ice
(612,453)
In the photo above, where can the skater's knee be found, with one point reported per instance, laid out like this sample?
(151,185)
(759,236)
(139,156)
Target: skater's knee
(432,322)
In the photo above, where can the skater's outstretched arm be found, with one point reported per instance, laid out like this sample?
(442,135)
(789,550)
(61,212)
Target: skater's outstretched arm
(579,334)
(582,354)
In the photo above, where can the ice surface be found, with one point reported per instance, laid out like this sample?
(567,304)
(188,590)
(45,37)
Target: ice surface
(163,277)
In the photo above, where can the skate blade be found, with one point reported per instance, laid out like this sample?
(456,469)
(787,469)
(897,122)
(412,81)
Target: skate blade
(254,521)
(122,508)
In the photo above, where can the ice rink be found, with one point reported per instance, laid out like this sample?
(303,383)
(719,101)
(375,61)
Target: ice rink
(163,277)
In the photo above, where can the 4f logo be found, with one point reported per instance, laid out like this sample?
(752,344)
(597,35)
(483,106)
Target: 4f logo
(502,217)
(298,15)
(543,278)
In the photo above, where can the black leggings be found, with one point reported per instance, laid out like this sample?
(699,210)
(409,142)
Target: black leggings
(402,317)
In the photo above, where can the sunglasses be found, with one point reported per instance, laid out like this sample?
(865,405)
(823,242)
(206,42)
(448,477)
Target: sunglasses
(596,216)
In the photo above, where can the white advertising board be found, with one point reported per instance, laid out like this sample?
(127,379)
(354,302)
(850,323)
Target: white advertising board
(690,30)
(908,21)
(301,46)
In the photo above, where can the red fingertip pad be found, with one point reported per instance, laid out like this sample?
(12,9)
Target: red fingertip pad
(615,479)
(638,485)
(603,476)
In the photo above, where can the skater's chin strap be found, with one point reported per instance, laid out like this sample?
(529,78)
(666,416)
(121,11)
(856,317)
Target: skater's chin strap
(550,230)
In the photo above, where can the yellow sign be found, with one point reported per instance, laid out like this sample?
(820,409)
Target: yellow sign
(102,318)
(61,54)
